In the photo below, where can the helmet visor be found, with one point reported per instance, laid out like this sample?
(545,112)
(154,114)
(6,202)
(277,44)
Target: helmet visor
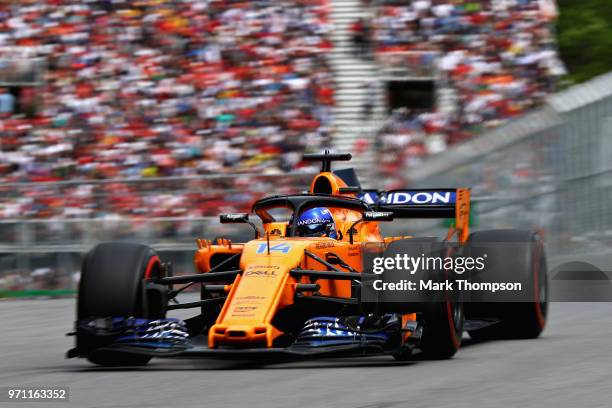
(313,230)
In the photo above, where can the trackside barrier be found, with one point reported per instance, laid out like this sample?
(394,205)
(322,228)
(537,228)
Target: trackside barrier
(549,171)
(42,247)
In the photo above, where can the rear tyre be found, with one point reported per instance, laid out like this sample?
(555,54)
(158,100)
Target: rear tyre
(526,264)
(112,285)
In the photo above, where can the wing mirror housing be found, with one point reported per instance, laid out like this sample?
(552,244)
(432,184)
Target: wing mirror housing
(370,216)
(234,218)
(377,216)
(238,218)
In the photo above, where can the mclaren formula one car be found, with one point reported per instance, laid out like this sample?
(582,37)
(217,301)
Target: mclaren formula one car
(307,284)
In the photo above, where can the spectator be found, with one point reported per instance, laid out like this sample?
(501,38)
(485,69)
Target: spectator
(7,103)
(369,99)
(360,32)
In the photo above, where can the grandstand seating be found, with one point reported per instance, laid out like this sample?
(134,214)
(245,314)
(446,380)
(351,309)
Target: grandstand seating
(169,88)
(499,57)
(161,88)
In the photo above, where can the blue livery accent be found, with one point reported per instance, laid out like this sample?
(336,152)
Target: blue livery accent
(421,197)
(168,333)
(410,197)
(282,248)
(328,331)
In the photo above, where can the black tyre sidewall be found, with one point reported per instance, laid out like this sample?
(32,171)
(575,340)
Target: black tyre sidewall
(519,320)
(112,285)
(442,332)
(111,282)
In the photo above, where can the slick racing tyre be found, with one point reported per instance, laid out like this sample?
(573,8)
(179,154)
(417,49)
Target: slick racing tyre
(442,313)
(112,285)
(443,319)
(512,256)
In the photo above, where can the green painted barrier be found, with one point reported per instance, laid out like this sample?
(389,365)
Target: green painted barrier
(36,293)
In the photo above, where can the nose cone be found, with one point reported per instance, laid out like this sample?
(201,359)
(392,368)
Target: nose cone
(256,295)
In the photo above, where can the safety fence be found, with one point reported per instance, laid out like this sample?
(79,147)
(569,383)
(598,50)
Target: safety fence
(48,227)
(550,171)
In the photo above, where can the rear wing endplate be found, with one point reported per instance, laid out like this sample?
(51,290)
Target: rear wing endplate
(424,203)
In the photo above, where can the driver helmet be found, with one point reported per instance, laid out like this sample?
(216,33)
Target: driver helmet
(316,222)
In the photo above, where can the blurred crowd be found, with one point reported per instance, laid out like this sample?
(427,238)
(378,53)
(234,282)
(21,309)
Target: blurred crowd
(162,88)
(498,56)
(137,89)
(153,197)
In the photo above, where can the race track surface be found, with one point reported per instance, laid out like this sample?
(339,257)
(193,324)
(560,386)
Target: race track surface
(569,366)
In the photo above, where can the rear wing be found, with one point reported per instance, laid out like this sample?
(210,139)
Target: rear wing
(425,203)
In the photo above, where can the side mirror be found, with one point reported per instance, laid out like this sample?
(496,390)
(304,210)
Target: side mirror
(239,218)
(377,216)
(370,216)
(235,218)
(349,190)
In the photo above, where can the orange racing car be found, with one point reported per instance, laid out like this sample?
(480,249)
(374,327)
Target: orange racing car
(308,285)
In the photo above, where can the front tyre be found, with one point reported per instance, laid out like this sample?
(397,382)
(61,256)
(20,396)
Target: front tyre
(442,313)
(113,285)
(443,330)
(443,320)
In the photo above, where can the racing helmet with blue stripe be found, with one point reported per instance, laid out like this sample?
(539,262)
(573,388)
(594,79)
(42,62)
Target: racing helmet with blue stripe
(316,222)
